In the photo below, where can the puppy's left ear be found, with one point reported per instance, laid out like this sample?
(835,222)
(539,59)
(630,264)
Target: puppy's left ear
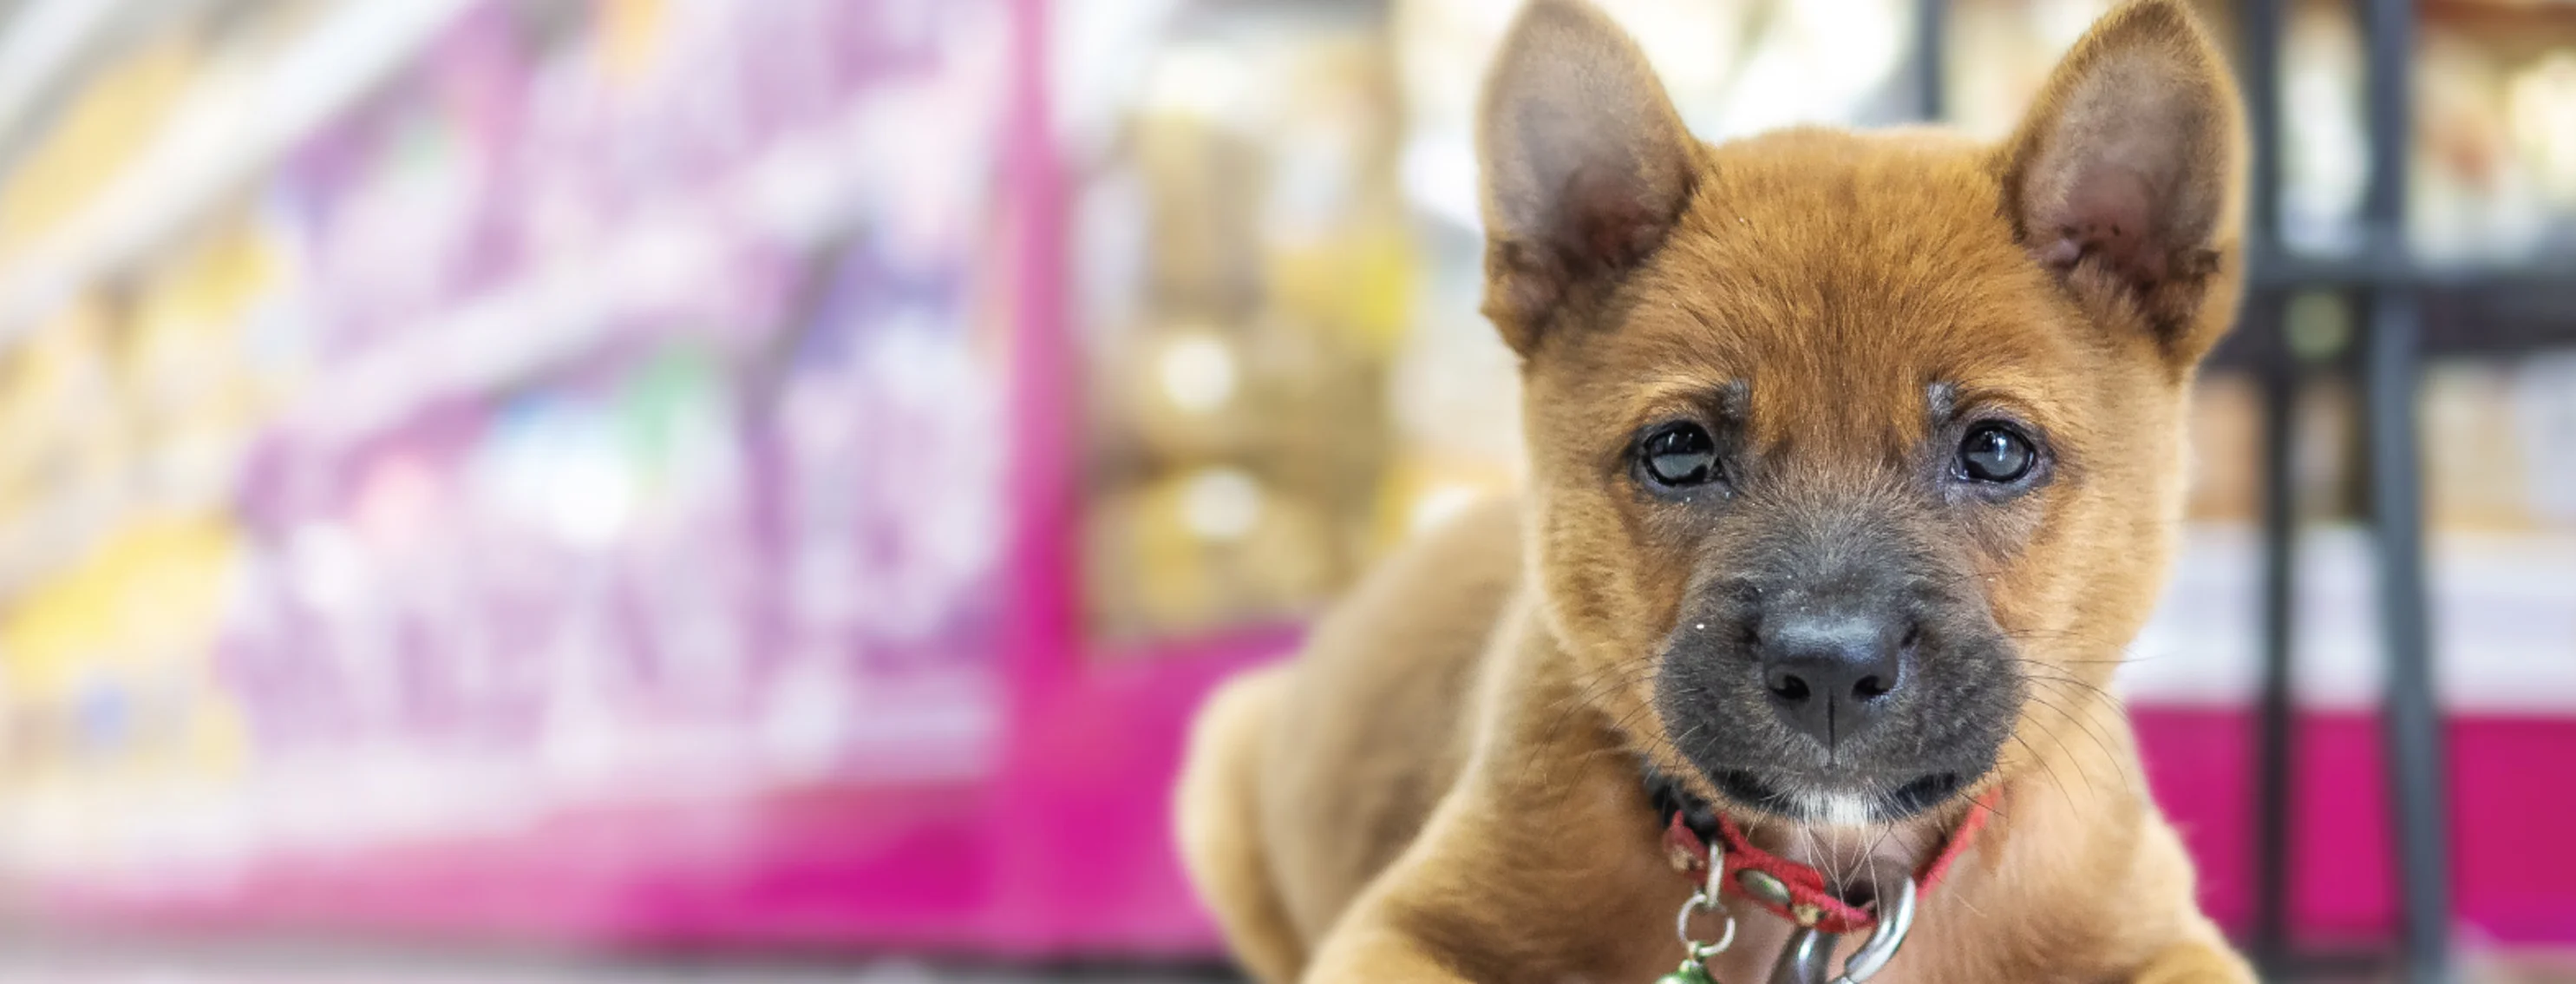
(2127,177)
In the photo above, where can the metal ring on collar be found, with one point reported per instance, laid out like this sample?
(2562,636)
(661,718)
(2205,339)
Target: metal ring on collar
(1681,926)
(1893,921)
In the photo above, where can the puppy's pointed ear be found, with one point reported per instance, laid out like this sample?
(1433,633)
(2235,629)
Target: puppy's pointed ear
(1586,165)
(2126,177)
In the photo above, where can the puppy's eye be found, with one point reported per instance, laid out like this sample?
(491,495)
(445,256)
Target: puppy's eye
(1678,456)
(1996,454)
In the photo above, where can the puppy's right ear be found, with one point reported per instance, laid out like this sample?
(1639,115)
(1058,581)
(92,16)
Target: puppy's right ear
(1586,164)
(2126,178)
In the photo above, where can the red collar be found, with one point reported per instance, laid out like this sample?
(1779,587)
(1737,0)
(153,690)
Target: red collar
(1794,891)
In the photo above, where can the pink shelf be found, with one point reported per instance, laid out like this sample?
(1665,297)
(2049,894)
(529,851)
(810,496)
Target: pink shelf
(1065,851)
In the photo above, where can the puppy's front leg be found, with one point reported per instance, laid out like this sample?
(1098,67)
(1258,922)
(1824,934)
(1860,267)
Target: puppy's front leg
(2184,947)
(1374,951)
(1539,871)
(1479,900)
(2196,962)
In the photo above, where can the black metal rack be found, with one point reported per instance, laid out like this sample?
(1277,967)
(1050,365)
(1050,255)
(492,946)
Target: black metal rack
(2494,310)
(2392,292)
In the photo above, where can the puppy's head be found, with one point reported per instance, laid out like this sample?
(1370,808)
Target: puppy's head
(1855,457)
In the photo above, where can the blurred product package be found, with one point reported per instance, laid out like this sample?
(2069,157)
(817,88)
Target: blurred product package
(1254,272)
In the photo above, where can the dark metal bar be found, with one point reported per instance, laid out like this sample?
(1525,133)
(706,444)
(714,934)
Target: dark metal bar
(2265,313)
(2301,273)
(2259,72)
(2411,724)
(2276,752)
(1931,37)
(2389,29)
(2410,717)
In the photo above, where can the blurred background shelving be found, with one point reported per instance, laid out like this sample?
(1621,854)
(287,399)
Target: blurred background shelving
(703,472)
(432,425)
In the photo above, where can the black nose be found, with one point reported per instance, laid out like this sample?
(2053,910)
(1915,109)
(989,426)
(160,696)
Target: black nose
(1831,673)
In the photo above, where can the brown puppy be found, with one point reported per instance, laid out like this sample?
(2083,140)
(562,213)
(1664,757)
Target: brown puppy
(1855,462)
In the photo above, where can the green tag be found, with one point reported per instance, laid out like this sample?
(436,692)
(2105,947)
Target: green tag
(1691,972)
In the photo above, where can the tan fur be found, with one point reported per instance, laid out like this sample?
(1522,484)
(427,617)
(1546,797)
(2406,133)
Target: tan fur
(1443,786)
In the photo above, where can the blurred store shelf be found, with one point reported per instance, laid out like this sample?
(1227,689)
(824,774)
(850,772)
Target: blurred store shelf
(237,120)
(45,40)
(149,964)
(161,962)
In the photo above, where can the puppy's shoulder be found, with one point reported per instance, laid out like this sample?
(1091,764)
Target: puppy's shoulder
(1385,673)
(1440,593)
(1371,722)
